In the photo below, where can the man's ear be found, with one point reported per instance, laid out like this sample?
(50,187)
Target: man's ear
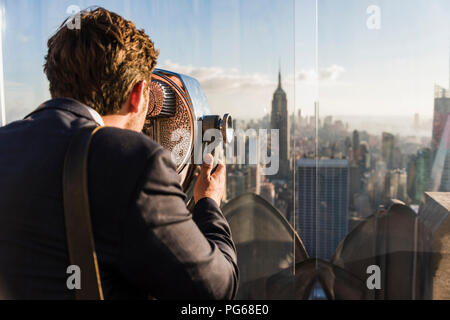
(137,96)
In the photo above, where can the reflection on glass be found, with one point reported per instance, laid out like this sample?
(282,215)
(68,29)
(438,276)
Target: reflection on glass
(266,244)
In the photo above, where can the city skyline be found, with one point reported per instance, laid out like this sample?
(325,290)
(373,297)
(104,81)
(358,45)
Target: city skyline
(234,49)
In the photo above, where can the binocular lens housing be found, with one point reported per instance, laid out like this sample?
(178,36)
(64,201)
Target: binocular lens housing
(224,125)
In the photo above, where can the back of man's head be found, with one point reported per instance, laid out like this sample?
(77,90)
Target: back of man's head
(100,62)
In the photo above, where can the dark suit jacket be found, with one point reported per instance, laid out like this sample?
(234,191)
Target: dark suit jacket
(147,242)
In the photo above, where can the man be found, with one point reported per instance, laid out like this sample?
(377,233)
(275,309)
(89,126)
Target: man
(147,242)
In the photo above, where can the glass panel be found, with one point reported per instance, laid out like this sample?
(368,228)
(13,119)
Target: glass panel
(383,144)
(243,55)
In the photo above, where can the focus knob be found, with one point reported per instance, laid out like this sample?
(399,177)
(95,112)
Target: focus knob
(162,100)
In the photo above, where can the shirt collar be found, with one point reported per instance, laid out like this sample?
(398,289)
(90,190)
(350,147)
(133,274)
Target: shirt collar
(71,105)
(95,115)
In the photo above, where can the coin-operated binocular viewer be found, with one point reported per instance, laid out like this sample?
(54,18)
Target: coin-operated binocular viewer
(179,118)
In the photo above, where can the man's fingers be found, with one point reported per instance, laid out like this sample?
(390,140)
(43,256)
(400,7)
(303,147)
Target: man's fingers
(207,166)
(220,170)
(197,171)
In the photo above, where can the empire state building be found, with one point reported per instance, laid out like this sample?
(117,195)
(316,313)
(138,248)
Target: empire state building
(279,121)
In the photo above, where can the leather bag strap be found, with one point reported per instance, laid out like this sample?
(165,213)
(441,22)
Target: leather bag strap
(80,239)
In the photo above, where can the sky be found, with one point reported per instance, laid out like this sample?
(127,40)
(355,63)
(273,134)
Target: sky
(235,48)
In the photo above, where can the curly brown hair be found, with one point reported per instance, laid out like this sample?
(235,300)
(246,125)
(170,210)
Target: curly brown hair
(99,63)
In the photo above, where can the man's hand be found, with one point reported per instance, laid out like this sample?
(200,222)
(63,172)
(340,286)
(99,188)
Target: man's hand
(210,185)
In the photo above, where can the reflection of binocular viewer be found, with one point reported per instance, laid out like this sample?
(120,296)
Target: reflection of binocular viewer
(177,107)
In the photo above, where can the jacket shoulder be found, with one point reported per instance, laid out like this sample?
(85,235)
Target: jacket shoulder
(118,160)
(126,143)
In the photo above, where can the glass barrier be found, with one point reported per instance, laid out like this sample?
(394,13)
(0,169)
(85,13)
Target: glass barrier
(383,149)
(338,174)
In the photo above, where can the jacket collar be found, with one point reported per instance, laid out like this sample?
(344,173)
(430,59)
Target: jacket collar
(70,105)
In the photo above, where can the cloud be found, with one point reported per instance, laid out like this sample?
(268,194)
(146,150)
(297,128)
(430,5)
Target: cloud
(332,73)
(14,85)
(23,38)
(22,97)
(221,79)
(249,95)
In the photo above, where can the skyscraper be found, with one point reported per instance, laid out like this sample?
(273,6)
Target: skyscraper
(441,113)
(267,192)
(387,149)
(323,204)
(244,178)
(396,185)
(416,121)
(355,146)
(440,144)
(422,173)
(279,121)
